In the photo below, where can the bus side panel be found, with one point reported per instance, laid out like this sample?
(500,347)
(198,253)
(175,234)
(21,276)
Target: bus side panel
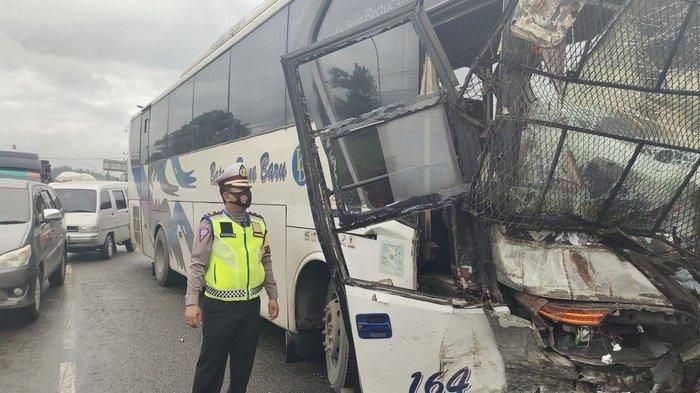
(430,344)
(276,222)
(147,231)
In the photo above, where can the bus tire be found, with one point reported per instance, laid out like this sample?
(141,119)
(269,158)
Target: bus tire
(303,346)
(161,263)
(340,367)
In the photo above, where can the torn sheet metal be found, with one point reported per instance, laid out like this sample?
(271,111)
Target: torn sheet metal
(582,273)
(529,366)
(545,22)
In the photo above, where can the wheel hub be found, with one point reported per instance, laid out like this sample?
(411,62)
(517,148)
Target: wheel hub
(332,331)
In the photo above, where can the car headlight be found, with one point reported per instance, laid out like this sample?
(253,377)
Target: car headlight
(88,229)
(16,258)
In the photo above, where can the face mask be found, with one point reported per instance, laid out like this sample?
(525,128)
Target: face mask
(243,198)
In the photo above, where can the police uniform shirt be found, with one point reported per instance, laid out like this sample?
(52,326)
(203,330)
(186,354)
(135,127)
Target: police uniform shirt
(201,252)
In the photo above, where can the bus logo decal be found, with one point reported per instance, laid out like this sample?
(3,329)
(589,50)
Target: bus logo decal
(272,171)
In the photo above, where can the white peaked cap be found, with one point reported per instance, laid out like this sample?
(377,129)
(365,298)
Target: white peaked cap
(235,175)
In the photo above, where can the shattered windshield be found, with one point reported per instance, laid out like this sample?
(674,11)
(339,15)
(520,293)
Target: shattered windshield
(597,120)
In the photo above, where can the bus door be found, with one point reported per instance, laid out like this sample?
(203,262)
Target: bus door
(388,130)
(144,190)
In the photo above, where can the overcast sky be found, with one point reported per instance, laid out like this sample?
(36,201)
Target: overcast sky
(73,71)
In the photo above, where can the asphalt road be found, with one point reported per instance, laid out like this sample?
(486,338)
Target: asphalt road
(111,328)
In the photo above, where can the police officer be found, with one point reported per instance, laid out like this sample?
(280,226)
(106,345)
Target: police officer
(231,263)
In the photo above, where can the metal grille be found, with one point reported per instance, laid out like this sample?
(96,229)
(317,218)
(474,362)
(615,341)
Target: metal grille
(597,118)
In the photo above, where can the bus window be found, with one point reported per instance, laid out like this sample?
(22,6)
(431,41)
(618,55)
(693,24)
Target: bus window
(180,119)
(158,132)
(257,82)
(394,161)
(135,141)
(212,119)
(362,77)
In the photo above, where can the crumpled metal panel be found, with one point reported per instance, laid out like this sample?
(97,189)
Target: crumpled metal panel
(545,22)
(564,272)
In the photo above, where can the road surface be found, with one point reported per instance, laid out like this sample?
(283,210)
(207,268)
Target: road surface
(111,328)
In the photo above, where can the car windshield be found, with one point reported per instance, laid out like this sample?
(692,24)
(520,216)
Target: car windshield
(14,208)
(78,201)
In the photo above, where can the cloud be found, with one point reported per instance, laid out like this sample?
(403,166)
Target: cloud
(72,72)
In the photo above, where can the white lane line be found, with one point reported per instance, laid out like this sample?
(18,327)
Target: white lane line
(68,329)
(66,383)
(69,275)
(68,325)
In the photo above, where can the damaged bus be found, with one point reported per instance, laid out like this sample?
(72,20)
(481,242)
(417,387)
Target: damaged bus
(506,192)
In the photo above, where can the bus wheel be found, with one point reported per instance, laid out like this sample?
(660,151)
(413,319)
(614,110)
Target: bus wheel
(339,364)
(164,274)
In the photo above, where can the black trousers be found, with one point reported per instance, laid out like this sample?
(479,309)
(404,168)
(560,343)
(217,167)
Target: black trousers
(229,329)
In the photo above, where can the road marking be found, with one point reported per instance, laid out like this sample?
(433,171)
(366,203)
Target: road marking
(66,383)
(68,330)
(68,325)
(69,275)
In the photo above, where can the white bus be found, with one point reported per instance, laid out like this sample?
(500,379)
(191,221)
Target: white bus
(233,105)
(383,272)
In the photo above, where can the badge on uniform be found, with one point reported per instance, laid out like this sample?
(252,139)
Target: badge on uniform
(227,230)
(257,229)
(203,233)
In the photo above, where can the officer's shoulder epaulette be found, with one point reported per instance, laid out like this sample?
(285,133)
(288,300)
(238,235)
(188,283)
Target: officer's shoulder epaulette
(256,215)
(211,214)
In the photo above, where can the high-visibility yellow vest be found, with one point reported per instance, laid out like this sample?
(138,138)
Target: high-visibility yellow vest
(235,269)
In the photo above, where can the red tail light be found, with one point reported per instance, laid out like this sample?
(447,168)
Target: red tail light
(573,316)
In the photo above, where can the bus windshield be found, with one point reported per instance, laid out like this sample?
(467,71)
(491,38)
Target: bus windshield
(78,201)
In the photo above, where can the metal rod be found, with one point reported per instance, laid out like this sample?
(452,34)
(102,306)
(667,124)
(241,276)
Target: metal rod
(618,185)
(676,45)
(570,79)
(676,195)
(603,134)
(436,52)
(507,14)
(364,182)
(552,171)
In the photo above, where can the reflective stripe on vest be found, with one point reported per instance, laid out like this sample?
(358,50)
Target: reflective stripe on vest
(235,269)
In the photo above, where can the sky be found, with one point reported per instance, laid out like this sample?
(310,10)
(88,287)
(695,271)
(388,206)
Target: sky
(73,71)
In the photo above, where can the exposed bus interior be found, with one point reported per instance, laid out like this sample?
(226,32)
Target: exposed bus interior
(572,200)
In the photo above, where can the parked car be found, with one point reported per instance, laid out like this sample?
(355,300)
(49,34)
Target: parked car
(97,216)
(32,244)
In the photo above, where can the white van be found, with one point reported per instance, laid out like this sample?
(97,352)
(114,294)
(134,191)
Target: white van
(96,215)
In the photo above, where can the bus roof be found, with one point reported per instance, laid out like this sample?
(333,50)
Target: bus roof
(89,185)
(235,34)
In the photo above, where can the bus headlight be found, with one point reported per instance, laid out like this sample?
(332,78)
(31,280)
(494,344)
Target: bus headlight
(16,258)
(88,229)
